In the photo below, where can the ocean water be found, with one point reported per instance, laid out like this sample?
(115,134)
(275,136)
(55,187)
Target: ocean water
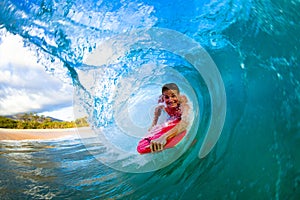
(237,61)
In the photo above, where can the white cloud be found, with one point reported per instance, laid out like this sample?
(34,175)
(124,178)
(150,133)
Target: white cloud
(25,86)
(12,51)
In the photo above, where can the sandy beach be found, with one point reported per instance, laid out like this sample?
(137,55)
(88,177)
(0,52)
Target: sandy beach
(36,134)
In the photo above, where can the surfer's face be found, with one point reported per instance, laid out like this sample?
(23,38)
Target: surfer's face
(171,98)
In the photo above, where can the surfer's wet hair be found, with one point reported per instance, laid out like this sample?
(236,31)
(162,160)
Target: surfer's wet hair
(170,86)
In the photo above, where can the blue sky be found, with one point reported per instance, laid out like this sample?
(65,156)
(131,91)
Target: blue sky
(26,86)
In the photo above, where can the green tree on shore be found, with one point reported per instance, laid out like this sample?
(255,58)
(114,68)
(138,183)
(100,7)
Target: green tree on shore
(7,123)
(34,121)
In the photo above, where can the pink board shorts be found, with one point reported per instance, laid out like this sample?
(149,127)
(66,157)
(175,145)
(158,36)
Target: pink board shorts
(144,145)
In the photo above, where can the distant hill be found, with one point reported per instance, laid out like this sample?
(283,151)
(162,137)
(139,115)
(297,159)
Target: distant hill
(21,117)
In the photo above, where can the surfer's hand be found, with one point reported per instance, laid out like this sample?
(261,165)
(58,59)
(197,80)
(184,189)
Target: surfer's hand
(158,144)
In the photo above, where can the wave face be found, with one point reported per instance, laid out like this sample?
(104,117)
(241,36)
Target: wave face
(254,45)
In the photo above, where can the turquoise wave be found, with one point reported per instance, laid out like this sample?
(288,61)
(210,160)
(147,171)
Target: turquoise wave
(254,45)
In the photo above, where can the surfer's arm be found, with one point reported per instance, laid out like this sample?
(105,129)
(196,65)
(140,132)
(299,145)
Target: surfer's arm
(181,126)
(157,113)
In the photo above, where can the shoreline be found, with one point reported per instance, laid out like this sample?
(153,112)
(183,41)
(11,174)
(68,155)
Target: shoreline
(36,134)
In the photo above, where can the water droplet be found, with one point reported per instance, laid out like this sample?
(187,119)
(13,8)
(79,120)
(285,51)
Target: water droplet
(242,65)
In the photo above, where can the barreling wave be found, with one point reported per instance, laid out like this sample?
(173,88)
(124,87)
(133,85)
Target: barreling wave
(255,48)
